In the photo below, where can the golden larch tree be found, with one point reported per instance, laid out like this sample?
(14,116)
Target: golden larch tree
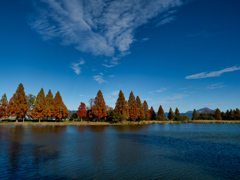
(60,110)
(133,107)
(121,108)
(146,110)
(218,115)
(99,108)
(18,104)
(3,106)
(50,111)
(39,110)
(140,108)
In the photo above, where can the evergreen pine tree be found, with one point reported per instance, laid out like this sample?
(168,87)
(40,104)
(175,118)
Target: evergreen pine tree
(146,110)
(170,114)
(39,110)
(161,116)
(152,114)
(133,107)
(177,115)
(99,108)
(195,115)
(218,114)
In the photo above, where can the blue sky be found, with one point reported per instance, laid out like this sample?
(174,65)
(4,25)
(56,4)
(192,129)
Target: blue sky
(172,53)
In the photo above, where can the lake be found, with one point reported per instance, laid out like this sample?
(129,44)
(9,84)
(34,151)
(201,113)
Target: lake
(157,151)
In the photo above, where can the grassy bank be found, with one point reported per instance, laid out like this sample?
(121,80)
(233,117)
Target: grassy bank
(84,123)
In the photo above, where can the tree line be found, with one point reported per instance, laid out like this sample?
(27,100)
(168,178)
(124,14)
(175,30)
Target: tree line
(41,107)
(52,108)
(217,115)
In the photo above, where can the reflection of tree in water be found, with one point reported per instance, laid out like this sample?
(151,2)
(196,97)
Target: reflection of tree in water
(48,129)
(15,148)
(32,156)
(130,128)
(3,133)
(81,129)
(97,129)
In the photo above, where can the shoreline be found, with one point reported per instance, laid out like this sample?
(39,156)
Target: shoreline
(84,123)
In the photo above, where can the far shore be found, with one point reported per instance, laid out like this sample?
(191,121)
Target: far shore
(85,123)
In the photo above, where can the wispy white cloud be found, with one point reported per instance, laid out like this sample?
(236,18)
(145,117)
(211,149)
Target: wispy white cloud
(204,33)
(215,86)
(76,66)
(100,27)
(99,78)
(112,76)
(94,69)
(185,88)
(108,66)
(160,90)
(115,93)
(145,39)
(213,73)
(176,96)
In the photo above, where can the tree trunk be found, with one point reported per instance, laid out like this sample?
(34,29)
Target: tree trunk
(81,119)
(38,119)
(23,119)
(16,119)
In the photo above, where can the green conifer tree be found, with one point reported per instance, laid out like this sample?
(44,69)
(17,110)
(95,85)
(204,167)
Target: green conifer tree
(170,114)
(161,116)
(152,113)
(177,115)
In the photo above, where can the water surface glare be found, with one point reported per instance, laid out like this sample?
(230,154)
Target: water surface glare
(157,151)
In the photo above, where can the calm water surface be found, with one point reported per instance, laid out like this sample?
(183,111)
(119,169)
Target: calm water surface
(167,151)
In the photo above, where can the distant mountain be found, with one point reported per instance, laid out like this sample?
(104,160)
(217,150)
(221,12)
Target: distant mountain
(205,110)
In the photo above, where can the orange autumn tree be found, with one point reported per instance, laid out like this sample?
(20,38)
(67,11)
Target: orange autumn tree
(50,105)
(133,107)
(121,108)
(18,104)
(3,106)
(99,108)
(140,108)
(60,110)
(82,110)
(39,110)
(146,110)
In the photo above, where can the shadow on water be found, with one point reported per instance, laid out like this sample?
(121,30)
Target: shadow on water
(131,128)
(221,159)
(97,129)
